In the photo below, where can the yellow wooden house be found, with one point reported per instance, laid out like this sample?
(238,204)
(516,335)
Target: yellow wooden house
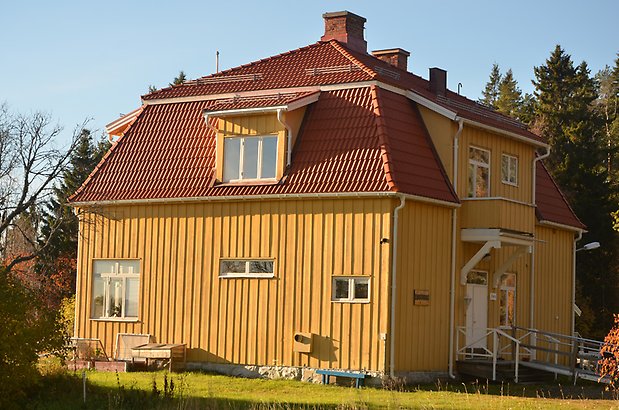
(324,209)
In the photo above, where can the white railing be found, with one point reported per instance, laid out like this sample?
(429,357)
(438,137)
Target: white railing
(580,356)
(502,345)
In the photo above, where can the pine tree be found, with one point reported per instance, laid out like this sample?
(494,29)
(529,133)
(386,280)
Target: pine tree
(491,92)
(56,265)
(509,100)
(564,115)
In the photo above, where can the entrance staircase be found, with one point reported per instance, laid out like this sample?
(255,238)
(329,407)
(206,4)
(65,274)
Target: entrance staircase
(527,355)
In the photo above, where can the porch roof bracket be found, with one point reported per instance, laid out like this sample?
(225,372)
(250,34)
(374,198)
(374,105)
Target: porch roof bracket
(483,251)
(496,278)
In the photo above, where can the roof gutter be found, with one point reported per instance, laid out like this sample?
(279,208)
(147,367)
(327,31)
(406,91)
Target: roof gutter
(394,258)
(454,222)
(122,202)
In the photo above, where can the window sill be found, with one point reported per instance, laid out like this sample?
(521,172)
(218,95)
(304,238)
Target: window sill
(115,319)
(248,182)
(246,276)
(351,301)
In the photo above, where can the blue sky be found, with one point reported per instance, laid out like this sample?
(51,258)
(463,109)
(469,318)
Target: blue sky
(79,60)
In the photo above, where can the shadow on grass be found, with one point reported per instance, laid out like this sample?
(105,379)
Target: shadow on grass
(65,391)
(562,388)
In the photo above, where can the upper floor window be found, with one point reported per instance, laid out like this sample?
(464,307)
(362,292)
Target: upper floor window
(249,158)
(479,173)
(115,288)
(509,169)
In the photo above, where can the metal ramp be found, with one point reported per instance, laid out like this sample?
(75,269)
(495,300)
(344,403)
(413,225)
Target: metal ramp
(502,354)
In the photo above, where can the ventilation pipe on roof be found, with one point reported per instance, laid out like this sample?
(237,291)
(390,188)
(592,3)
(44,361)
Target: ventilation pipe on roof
(280,118)
(394,255)
(454,222)
(438,81)
(532,283)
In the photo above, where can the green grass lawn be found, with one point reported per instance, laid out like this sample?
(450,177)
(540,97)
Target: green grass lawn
(205,391)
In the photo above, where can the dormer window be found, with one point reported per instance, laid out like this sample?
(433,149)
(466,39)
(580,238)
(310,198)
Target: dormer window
(249,158)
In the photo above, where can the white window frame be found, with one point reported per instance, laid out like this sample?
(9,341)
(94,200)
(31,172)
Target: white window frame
(512,166)
(504,291)
(247,273)
(351,289)
(107,278)
(242,139)
(479,164)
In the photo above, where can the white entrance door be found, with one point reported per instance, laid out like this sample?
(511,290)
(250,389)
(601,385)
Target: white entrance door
(477,309)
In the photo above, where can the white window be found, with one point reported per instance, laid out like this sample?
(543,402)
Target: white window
(479,173)
(246,268)
(115,288)
(249,158)
(351,289)
(509,169)
(507,306)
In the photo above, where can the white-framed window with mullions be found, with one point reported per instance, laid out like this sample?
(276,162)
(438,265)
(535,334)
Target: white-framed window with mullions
(352,289)
(249,158)
(479,173)
(115,288)
(509,169)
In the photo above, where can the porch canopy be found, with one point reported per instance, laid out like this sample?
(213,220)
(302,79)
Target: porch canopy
(494,239)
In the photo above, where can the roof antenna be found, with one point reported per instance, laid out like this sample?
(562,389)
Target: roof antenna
(459,86)
(217,61)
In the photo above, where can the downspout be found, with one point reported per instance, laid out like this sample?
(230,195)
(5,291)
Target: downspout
(532,283)
(394,255)
(454,221)
(576,239)
(280,118)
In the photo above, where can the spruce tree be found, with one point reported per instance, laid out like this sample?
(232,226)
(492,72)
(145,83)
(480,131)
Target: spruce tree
(564,115)
(56,265)
(509,100)
(491,92)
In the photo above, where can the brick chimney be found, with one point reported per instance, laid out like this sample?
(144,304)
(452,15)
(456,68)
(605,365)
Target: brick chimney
(397,57)
(347,28)
(438,81)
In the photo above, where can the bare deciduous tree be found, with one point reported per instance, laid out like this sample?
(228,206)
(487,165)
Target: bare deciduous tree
(30,161)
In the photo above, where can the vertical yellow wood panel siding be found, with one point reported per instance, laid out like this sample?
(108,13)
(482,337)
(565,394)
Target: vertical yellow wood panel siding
(442,131)
(424,263)
(553,280)
(248,321)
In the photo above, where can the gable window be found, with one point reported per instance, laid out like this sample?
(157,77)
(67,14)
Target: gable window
(507,305)
(479,173)
(249,158)
(509,169)
(351,289)
(246,268)
(115,288)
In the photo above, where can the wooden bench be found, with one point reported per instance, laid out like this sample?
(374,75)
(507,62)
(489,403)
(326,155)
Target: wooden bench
(359,377)
(172,353)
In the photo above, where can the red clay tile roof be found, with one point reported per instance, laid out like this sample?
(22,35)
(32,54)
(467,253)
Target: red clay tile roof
(551,204)
(272,100)
(325,63)
(169,152)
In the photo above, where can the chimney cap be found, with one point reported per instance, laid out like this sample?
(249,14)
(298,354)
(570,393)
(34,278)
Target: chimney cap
(343,13)
(396,50)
